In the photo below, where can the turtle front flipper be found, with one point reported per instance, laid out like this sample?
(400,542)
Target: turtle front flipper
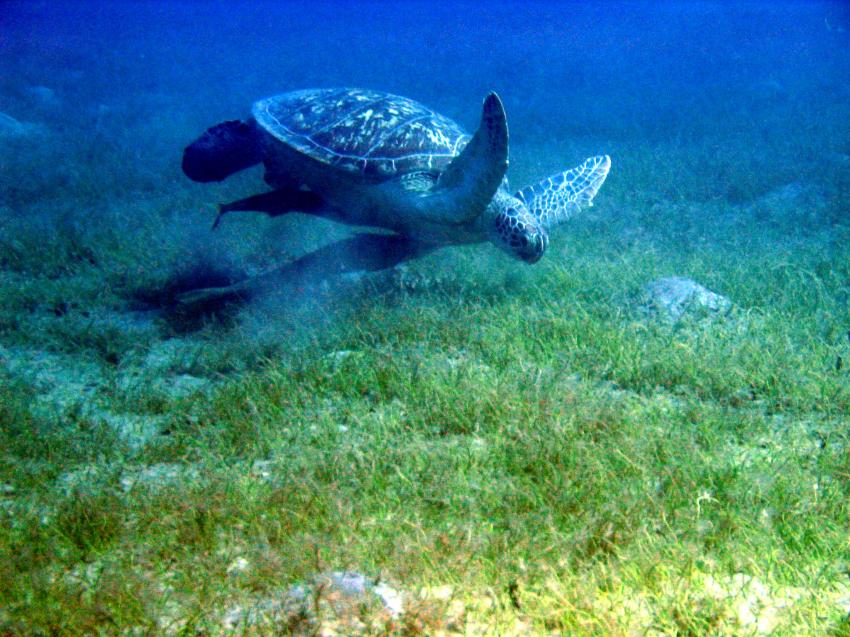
(274,203)
(559,197)
(470,181)
(222,150)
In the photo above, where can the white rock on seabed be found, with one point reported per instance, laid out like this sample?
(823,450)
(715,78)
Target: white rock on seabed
(238,567)
(263,470)
(672,298)
(340,356)
(330,603)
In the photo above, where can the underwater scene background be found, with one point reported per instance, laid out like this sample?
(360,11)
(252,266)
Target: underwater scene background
(644,433)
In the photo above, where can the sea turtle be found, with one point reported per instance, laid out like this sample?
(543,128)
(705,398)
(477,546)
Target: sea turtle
(367,158)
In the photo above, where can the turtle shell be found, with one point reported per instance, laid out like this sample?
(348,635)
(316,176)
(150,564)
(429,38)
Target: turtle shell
(373,134)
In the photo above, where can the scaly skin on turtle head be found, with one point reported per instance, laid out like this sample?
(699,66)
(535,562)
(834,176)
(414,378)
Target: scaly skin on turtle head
(514,229)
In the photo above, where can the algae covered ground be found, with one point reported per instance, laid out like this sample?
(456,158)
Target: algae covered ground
(514,450)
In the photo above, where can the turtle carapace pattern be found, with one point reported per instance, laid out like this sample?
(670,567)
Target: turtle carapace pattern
(375,134)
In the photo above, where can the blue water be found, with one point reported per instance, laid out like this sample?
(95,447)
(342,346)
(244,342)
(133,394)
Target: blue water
(761,91)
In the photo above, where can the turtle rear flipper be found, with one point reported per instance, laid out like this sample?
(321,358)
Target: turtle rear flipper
(222,150)
(470,181)
(559,197)
(363,252)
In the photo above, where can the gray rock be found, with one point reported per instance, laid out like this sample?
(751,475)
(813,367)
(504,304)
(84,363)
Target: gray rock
(339,356)
(351,585)
(673,298)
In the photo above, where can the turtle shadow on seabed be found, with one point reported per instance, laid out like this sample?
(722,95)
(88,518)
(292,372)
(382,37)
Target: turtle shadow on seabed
(163,298)
(191,307)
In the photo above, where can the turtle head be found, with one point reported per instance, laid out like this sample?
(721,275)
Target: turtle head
(515,230)
(222,150)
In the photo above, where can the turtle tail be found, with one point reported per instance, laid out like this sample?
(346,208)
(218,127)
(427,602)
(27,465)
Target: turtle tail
(222,150)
